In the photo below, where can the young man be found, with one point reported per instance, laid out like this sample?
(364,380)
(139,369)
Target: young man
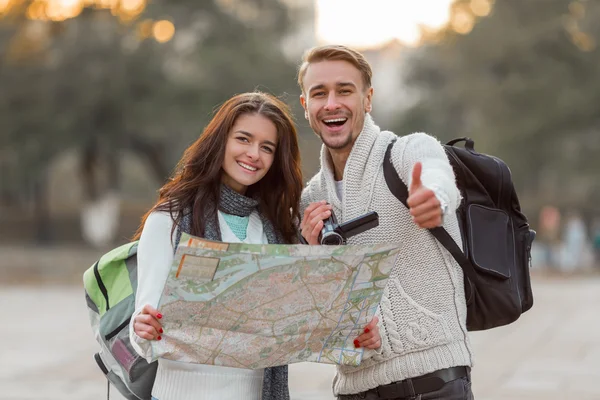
(423,349)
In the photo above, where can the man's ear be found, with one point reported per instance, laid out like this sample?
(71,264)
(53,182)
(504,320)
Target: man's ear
(369,100)
(303,102)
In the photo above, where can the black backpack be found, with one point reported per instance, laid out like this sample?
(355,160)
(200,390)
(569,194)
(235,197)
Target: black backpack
(495,234)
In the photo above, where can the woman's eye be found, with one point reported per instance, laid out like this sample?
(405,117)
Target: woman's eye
(242,139)
(268,149)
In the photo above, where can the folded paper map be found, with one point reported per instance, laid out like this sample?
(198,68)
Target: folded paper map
(256,306)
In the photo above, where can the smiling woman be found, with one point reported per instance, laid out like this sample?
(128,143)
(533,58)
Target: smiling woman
(239,182)
(363,24)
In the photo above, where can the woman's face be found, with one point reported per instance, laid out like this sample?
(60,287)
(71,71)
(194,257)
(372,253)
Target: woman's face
(249,152)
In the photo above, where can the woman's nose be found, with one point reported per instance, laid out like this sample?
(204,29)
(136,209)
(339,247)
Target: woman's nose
(252,152)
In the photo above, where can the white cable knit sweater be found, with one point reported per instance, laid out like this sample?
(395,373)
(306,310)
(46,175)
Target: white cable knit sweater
(423,309)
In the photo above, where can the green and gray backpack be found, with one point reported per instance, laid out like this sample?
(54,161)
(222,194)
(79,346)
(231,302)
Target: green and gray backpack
(110,287)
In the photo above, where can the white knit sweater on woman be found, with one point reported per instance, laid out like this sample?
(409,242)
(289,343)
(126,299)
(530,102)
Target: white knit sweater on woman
(177,380)
(423,310)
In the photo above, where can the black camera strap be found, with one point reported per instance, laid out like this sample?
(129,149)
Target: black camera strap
(301,238)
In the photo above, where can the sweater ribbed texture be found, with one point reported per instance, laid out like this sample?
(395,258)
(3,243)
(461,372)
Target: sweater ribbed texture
(423,309)
(181,381)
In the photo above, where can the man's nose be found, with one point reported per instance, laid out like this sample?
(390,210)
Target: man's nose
(332,102)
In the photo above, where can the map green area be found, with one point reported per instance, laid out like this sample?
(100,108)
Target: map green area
(256,306)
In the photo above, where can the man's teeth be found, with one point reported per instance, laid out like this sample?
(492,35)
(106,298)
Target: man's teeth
(246,166)
(329,121)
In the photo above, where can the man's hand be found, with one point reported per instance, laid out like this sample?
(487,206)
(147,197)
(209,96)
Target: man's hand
(423,205)
(370,339)
(312,222)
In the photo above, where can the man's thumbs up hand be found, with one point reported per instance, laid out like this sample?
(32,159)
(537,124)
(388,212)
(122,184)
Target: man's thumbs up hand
(416,183)
(423,205)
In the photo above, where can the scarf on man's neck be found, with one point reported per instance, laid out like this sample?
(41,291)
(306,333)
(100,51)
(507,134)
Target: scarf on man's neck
(230,202)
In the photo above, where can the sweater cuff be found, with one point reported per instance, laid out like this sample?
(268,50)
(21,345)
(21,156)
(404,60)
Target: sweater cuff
(142,346)
(445,201)
(378,353)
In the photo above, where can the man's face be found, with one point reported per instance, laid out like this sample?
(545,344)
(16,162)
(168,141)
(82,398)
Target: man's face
(335,102)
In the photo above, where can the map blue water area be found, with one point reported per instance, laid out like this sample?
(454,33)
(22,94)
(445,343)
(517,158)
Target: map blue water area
(233,268)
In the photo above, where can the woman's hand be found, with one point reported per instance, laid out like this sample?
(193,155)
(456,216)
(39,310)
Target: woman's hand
(146,324)
(370,339)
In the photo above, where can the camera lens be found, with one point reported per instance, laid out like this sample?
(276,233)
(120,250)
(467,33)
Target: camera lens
(332,239)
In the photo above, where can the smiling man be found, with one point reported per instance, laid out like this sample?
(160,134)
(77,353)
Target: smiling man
(423,350)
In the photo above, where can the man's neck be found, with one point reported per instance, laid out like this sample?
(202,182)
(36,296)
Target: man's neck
(339,158)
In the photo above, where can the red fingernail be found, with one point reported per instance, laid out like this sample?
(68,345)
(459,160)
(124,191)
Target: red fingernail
(159,338)
(356,344)
(159,315)
(367,330)
(161,331)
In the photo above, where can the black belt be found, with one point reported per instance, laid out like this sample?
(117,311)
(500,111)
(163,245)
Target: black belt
(421,384)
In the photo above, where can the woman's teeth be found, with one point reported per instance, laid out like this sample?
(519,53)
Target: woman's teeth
(246,166)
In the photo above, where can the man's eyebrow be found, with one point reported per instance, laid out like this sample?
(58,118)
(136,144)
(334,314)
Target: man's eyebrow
(339,84)
(319,86)
(252,136)
(346,84)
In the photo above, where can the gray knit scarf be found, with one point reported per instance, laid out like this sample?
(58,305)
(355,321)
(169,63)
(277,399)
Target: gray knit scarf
(275,382)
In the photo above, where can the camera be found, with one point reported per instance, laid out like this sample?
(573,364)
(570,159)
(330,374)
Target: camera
(337,234)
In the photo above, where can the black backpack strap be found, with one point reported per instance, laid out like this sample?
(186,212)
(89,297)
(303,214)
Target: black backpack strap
(399,189)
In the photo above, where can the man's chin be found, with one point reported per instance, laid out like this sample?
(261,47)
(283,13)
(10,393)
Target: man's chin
(336,143)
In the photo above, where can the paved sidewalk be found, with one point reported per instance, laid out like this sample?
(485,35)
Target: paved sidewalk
(551,353)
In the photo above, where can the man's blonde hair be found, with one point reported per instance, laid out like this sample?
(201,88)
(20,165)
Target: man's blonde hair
(335,53)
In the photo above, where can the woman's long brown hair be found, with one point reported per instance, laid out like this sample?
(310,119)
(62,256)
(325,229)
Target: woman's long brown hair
(197,177)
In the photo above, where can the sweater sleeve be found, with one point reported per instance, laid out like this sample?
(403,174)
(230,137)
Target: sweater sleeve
(385,349)
(154,256)
(437,173)
(305,199)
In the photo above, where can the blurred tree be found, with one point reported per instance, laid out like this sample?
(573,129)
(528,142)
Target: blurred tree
(108,77)
(523,84)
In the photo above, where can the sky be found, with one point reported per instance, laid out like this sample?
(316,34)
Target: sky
(372,23)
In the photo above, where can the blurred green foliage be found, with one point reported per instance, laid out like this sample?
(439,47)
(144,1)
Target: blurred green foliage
(522,83)
(102,85)
(525,85)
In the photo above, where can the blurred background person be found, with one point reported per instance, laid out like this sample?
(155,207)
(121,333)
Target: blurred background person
(576,249)
(547,243)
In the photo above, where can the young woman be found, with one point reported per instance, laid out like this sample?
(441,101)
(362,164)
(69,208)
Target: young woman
(239,182)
